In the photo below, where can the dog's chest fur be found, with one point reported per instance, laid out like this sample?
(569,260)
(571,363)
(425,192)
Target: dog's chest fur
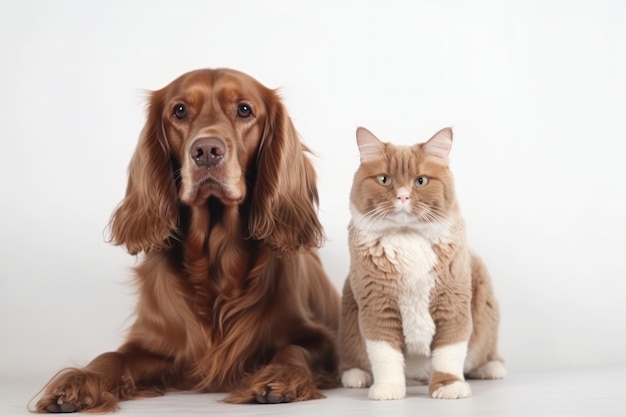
(414,261)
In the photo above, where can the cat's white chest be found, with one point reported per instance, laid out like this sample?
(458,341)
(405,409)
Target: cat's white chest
(414,258)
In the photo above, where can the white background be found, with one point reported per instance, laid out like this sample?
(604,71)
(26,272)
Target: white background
(535,91)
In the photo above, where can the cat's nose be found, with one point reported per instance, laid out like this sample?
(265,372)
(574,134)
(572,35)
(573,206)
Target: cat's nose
(403,198)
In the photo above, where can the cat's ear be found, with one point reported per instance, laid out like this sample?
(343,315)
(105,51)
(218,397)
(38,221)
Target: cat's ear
(439,145)
(370,147)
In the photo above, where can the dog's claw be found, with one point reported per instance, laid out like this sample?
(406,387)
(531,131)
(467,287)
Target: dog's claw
(269,397)
(61,408)
(275,399)
(260,398)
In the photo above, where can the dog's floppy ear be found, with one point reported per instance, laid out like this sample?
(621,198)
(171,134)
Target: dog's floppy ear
(147,217)
(284,196)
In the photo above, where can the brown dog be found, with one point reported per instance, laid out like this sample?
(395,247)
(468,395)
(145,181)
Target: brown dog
(221,199)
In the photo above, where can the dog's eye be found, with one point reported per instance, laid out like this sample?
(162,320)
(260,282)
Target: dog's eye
(421,181)
(244,110)
(180,111)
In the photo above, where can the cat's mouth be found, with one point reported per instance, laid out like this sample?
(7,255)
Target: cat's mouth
(403,210)
(403,216)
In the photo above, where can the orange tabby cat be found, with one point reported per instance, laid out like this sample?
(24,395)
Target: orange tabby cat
(416,303)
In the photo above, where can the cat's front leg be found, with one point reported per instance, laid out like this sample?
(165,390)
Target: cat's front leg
(388,371)
(354,365)
(447,380)
(384,341)
(381,327)
(451,312)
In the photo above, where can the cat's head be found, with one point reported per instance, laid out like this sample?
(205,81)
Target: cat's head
(403,186)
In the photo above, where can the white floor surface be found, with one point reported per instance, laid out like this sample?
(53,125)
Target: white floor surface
(559,393)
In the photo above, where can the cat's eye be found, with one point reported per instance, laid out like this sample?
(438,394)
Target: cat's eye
(421,181)
(384,180)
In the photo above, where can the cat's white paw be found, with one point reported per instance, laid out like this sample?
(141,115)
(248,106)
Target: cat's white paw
(387,391)
(490,370)
(356,378)
(457,389)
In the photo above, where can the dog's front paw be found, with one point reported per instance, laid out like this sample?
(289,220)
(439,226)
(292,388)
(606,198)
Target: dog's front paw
(65,394)
(277,384)
(77,390)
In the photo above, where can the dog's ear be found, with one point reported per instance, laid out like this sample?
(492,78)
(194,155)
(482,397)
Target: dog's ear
(284,196)
(147,216)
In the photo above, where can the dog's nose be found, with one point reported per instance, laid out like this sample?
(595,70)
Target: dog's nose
(207,152)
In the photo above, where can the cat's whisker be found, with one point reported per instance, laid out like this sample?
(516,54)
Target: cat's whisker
(372,215)
(436,209)
(376,219)
(369,221)
(426,213)
(379,220)
(432,214)
(435,216)
(432,208)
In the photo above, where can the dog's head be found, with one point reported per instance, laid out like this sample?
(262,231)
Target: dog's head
(218,133)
